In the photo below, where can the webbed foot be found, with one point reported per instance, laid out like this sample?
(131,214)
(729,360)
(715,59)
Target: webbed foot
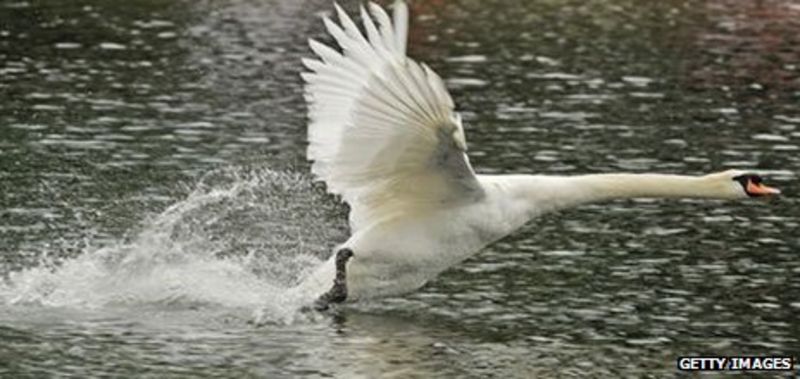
(338,292)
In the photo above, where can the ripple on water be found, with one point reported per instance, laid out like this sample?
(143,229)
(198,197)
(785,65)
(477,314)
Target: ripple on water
(793,120)
(563,253)
(112,46)
(638,81)
(554,76)
(455,82)
(468,59)
(769,137)
(646,95)
(67,45)
(571,116)
(32,127)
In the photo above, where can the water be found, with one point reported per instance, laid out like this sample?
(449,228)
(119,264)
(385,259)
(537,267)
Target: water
(155,203)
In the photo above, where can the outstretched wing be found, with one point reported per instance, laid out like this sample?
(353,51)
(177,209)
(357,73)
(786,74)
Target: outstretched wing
(383,133)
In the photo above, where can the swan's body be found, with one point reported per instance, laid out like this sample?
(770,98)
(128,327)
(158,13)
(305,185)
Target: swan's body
(384,135)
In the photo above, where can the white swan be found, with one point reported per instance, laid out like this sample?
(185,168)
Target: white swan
(384,135)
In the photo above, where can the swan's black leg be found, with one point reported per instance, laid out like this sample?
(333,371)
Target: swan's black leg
(337,293)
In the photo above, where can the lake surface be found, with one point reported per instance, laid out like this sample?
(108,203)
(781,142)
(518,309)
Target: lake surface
(156,204)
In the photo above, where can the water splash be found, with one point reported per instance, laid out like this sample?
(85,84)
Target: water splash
(240,239)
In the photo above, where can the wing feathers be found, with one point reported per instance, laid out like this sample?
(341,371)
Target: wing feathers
(400,25)
(385,26)
(382,131)
(374,36)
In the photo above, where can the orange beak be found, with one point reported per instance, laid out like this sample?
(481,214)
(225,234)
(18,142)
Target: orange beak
(758,189)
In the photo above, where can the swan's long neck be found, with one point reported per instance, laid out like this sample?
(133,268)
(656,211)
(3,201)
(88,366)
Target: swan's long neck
(541,194)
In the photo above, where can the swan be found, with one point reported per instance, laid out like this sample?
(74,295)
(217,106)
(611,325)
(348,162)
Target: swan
(383,134)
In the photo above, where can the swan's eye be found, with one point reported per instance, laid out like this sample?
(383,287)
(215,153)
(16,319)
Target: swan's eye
(748,178)
(753,186)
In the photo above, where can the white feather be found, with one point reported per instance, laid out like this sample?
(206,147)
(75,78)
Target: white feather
(379,120)
(401,25)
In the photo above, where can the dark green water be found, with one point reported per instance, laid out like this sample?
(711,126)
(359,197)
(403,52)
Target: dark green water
(155,202)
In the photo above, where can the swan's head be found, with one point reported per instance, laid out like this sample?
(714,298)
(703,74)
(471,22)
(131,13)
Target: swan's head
(743,184)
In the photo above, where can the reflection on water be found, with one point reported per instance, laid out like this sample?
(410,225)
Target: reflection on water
(112,113)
